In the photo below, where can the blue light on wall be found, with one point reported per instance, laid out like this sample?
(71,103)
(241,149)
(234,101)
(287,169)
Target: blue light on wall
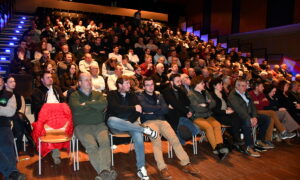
(20,27)
(14,38)
(2,58)
(22,22)
(11,44)
(23,17)
(17,31)
(7,50)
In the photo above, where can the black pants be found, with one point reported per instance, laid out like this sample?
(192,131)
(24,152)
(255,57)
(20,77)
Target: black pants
(22,127)
(234,122)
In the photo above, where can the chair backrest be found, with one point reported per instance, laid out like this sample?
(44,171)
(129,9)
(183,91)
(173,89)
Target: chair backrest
(50,130)
(55,115)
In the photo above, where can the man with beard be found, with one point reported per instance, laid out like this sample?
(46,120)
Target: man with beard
(179,113)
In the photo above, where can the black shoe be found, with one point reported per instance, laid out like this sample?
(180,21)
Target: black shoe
(222,156)
(259,149)
(16,176)
(239,148)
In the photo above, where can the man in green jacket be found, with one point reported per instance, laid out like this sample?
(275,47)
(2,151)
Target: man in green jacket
(88,115)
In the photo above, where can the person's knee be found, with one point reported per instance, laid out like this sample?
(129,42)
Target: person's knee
(137,137)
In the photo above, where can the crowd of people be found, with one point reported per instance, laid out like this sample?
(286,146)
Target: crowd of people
(148,79)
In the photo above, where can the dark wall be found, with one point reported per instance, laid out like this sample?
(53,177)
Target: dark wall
(280,12)
(219,17)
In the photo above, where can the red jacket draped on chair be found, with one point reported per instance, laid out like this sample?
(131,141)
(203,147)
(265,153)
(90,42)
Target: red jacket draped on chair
(55,115)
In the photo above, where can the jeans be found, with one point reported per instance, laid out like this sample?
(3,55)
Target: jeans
(136,132)
(94,138)
(165,129)
(262,124)
(183,121)
(7,152)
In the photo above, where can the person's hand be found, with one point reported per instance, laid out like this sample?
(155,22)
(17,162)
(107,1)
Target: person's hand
(138,108)
(282,109)
(298,106)
(264,99)
(150,66)
(82,104)
(208,100)
(229,111)
(189,114)
(253,122)
(202,105)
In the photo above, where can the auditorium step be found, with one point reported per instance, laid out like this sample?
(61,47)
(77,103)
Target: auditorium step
(10,37)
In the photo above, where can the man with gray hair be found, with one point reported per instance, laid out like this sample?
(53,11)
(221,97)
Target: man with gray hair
(243,105)
(159,77)
(88,108)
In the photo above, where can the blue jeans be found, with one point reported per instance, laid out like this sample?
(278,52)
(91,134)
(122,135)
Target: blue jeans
(183,121)
(7,152)
(118,125)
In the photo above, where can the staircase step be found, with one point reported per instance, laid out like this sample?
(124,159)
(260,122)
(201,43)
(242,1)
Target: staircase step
(20,14)
(16,28)
(8,46)
(8,38)
(17,24)
(11,34)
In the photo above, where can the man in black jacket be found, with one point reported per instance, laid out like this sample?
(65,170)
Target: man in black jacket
(46,93)
(123,111)
(154,109)
(178,104)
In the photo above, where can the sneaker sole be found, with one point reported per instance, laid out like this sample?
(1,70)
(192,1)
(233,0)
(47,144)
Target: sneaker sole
(288,137)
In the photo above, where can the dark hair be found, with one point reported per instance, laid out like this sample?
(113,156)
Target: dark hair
(256,83)
(196,80)
(147,79)
(268,88)
(44,72)
(281,84)
(173,76)
(5,79)
(121,80)
(215,81)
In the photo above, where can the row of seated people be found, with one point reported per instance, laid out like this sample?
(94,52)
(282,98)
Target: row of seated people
(171,54)
(195,110)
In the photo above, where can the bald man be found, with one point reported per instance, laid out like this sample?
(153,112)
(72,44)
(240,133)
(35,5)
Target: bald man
(84,65)
(88,108)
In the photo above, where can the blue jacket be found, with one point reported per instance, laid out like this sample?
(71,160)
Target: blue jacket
(154,107)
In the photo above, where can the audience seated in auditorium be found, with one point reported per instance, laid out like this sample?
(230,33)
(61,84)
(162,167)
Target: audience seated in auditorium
(260,101)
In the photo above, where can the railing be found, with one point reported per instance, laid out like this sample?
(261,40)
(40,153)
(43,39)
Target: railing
(6,11)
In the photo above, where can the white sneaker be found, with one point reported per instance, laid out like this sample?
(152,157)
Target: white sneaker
(142,173)
(150,132)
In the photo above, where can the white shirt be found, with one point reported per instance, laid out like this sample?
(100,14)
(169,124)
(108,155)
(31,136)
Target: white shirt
(244,97)
(118,56)
(98,83)
(85,67)
(51,98)
(111,82)
(133,58)
(128,69)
